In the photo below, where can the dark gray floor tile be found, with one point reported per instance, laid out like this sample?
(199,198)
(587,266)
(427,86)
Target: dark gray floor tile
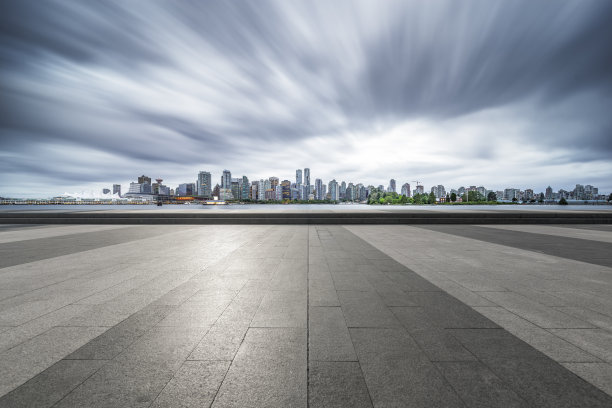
(495,343)
(446,311)
(365,309)
(328,335)
(439,344)
(220,343)
(51,385)
(118,338)
(195,385)
(121,384)
(398,373)
(337,384)
(268,371)
(478,387)
(545,383)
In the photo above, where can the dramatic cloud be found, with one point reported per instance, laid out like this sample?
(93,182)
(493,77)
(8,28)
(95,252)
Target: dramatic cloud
(494,93)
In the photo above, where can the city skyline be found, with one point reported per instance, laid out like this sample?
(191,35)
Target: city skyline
(492,93)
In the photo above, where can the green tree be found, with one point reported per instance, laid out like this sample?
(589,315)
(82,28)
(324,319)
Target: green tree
(453,197)
(562,201)
(432,198)
(492,196)
(541,198)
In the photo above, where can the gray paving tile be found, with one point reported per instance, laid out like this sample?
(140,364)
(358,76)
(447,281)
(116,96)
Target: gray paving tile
(194,385)
(19,364)
(597,319)
(365,309)
(329,338)
(116,339)
(478,386)
(598,374)
(554,347)
(337,384)
(445,311)
(537,313)
(121,383)
(596,341)
(495,343)
(398,373)
(281,309)
(545,383)
(51,385)
(220,343)
(436,342)
(269,370)
(164,345)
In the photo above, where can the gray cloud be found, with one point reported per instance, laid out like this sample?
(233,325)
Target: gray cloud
(262,87)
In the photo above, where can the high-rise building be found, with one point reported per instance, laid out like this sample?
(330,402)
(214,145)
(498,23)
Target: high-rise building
(236,188)
(318,189)
(226,179)
(343,190)
(253,192)
(204,185)
(549,193)
(334,190)
(185,189)
(298,176)
(261,190)
(144,180)
(307,180)
(117,189)
(439,191)
(406,189)
(244,188)
(216,191)
(286,190)
(273,182)
(392,188)
(420,190)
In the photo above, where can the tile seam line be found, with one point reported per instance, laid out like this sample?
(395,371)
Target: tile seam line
(351,338)
(231,362)
(308,228)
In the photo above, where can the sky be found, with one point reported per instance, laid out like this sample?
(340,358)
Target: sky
(485,92)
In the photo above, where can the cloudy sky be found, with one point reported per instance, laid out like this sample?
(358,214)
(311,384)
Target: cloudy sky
(493,93)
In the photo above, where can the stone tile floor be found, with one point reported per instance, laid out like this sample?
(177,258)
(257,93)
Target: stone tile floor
(305,316)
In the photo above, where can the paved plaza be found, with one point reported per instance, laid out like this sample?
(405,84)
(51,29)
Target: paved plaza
(305,316)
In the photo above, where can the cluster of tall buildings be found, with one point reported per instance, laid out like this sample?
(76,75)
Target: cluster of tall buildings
(303,188)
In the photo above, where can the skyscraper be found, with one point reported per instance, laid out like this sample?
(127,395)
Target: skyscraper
(244,194)
(204,185)
(286,190)
(273,182)
(334,190)
(318,189)
(117,189)
(226,179)
(307,180)
(392,188)
(144,180)
(406,189)
(298,176)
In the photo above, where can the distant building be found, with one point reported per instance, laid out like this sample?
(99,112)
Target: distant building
(439,191)
(244,188)
(342,191)
(236,190)
(406,189)
(144,180)
(307,181)
(186,190)
(117,189)
(392,188)
(298,176)
(419,190)
(334,190)
(204,185)
(226,179)
(105,190)
(318,189)
(549,193)
(286,190)
(216,191)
